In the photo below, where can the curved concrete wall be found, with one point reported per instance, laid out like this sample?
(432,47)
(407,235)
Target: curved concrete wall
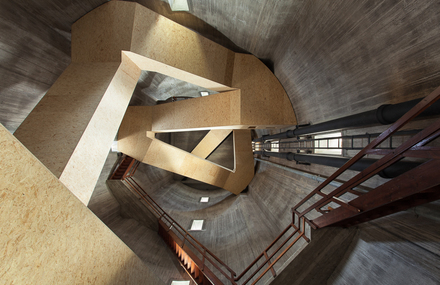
(333,59)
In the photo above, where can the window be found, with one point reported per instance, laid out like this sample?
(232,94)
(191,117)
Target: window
(204,200)
(328,146)
(115,146)
(197,225)
(179,5)
(180,283)
(275,146)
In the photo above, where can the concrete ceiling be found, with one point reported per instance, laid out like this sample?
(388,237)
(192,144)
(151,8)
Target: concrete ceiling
(155,88)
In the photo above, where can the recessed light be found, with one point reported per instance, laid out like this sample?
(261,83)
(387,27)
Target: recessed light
(204,93)
(204,200)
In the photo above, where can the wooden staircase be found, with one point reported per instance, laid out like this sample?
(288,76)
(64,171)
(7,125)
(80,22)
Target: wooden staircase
(186,257)
(122,168)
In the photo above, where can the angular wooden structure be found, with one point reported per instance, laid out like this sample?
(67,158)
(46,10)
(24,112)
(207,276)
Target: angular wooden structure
(110,47)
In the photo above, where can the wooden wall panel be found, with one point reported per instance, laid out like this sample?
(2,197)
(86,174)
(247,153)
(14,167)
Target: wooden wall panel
(48,236)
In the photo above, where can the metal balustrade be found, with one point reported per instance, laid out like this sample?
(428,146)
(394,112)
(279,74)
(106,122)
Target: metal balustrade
(209,262)
(414,187)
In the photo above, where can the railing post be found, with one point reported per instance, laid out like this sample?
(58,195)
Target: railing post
(269,264)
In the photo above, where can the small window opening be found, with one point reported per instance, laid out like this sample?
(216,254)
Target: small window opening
(180,283)
(197,225)
(330,143)
(179,5)
(275,146)
(204,200)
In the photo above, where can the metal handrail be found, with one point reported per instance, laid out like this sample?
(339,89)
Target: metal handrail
(301,234)
(290,144)
(162,215)
(390,157)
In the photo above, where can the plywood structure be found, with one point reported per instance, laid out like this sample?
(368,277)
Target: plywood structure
(48,236)
(210,142)
(110,47)
(136,139)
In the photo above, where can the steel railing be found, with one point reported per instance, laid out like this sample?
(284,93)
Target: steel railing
(293,233)
(413,147)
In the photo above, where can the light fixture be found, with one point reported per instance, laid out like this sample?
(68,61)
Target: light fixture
(204,93)
(179,5)
(197,225)
(204,200)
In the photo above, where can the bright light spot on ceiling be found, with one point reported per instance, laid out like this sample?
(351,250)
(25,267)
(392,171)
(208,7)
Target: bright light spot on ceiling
(179,5)
(197,225)
(180,283)
(115,146)
(204,93)
(204,200)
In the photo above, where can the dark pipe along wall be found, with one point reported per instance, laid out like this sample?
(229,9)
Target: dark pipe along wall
(384,115)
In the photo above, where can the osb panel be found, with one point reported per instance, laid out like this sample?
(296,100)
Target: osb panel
(53,129)
(263,99)
(210,142)
(158,38)
(84,166)
(101,34)
(48,236)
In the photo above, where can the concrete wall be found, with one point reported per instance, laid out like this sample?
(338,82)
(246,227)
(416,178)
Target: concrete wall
(35,49)
(333,59)
(340,57)
(399,249)
(134,225)
(237,228)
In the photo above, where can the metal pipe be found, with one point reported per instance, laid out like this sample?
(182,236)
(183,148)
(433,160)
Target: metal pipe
(384,115)
(390,172)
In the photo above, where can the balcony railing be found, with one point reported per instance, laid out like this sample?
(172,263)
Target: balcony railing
(414,187)
(208,262)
